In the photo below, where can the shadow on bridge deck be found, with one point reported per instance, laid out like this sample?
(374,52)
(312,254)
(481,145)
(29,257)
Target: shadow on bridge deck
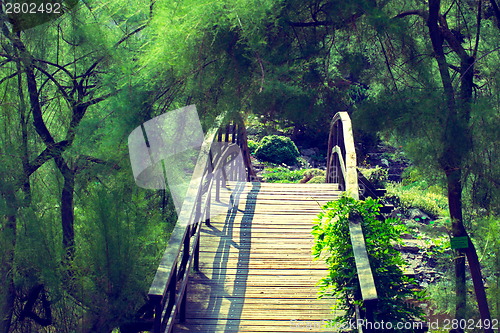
(256,268)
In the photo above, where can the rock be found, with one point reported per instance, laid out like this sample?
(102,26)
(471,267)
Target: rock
(396,213)
(408,247)
(309,152)
(419,216)
(431,262)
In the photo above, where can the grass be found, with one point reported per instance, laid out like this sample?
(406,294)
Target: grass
(284,175)
(428,199)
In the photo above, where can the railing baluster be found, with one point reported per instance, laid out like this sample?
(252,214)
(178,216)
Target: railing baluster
(183,251)
(196,260)
(158,307)
(233,133)
(226,137)
(182,310)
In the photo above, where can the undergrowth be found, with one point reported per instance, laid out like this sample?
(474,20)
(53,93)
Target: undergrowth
(331,233)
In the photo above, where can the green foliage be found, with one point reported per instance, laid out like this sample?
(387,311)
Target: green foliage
(119,247)
(317,180)
(331,233)
(277,149)
(377,175)
(488,243)
(133,62)
(312,173)
(282,175)
(430,200)
(252,146)
(302,163)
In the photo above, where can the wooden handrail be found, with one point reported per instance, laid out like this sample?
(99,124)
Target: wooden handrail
(341,147)
(167,294)
(341,169)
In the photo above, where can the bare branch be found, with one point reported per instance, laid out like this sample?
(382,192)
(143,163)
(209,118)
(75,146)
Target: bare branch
(99,99)
(46,155)
(9,77)
(455,68)
(127,36)
(57,66)
(84,162)
(58,85)
(124,38)
(422,13)
(478,23)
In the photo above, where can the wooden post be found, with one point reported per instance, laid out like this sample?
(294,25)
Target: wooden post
(209,203)
(233,133)
(370,306)
(185,251)
(157,314)
(226,137)
(182,309)
(196,259)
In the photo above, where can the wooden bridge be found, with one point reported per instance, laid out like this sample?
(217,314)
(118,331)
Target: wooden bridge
(239,258)
(256,272)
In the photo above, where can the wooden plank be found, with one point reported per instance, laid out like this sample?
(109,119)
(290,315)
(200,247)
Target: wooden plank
(257,273)
(264,326)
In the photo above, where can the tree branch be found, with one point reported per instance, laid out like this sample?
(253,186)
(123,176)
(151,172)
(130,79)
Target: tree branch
(58,85)
(422,13)
(478,23)
(57,66)
(84,161)
(99,99)
(9,77)
(496,10)
(47,154)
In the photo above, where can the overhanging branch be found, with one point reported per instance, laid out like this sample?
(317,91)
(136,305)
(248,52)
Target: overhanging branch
(422,13)
(47,154)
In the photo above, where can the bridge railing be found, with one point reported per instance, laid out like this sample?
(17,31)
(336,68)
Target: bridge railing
(224,156)
(341,169)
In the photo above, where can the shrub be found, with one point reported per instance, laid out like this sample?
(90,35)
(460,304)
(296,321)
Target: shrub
(252,146)
(282,175)
(277,149)
(317,180)
(331,233)
(427,199)
(377,175)
(311,174)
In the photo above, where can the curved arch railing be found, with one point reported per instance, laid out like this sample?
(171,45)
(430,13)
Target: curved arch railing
(342,170)
(224,156)
(341,156)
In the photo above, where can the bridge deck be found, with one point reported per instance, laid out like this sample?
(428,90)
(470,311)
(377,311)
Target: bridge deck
(256,269)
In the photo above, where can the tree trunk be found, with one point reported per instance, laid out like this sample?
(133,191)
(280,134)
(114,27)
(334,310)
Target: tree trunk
(457,228)
(477,279)
(466,84)
(450,162)
(8,297)
(457,144)
(9,233)
(67,209)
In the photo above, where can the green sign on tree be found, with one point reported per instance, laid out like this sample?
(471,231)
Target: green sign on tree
(459,242)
